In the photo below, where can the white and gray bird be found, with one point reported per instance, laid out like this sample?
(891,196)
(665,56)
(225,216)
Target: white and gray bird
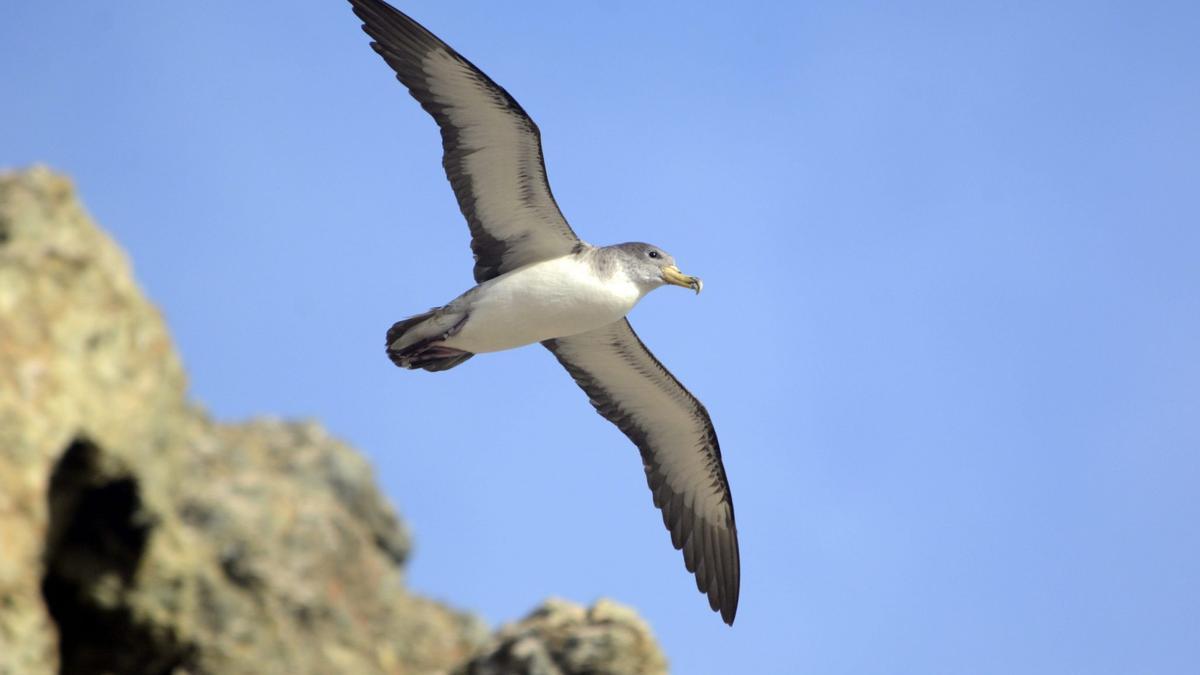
(538,282)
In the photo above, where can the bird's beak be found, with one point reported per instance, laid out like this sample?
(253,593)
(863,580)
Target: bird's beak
(673,276)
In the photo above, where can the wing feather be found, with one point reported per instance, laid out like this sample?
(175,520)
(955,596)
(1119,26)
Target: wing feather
(632,389)
(492,150)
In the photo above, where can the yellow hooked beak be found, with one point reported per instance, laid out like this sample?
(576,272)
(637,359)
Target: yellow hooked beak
(673,276)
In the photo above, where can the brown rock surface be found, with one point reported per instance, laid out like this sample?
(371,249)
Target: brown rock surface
(139,536)
(561,637)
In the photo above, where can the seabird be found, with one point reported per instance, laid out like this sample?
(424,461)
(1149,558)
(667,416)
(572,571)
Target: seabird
(538,282)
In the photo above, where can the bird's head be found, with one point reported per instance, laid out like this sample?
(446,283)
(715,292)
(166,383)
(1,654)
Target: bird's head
(651,267)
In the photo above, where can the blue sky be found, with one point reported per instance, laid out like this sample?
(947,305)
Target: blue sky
(949,334)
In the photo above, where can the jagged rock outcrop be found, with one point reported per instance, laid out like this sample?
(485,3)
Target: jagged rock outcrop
(139,536)
(561,637)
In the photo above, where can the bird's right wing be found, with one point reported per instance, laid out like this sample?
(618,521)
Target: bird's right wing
(492,150)
(631,389)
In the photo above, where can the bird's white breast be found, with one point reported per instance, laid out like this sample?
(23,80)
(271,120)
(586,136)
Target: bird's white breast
(549,299)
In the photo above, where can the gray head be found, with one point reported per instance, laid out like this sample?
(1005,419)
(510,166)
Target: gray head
(650,267)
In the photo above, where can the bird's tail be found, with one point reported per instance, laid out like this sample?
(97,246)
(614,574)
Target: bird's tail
(415,341)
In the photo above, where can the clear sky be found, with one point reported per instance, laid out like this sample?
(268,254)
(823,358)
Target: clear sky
(950,332)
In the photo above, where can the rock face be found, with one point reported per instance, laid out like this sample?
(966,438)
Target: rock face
(139,536)
(561,637)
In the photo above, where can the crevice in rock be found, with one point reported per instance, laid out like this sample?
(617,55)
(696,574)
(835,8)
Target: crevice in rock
(95,543)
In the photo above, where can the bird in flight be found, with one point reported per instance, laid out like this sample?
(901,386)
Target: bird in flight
(536,281)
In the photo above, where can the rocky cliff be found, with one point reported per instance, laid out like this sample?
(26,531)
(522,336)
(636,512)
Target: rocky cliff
(137,535)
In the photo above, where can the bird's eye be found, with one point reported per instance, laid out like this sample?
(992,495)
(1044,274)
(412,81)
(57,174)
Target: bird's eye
(653,254)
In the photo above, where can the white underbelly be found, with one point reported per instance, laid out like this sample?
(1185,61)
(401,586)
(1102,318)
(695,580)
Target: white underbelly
(550,299)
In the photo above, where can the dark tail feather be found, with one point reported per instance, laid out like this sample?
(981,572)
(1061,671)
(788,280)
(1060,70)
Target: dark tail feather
(399,328)
(425,354)
(431,358)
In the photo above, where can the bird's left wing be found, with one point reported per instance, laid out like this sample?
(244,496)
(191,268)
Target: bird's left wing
(492,150)
(631,389)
